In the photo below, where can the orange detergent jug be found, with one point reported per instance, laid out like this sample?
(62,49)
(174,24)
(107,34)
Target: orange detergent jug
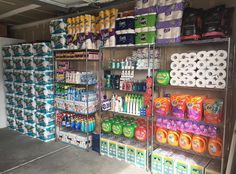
(215,146)
(185,141)
(199,143)
(161,135)
(173,138)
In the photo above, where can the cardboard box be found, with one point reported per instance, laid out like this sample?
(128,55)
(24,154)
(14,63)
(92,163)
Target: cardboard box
(198,164)
(141,156)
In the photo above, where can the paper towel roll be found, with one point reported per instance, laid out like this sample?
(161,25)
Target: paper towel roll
(181,73)
(182,82)
(190,74)
(175,57)
(201,55)
(221,84)
(211,64)
(221,54)
(182,65)
(201,83)
(210,83)
(192,56)
(221,73)
(174,73)
(201,64)
(192,65)
(221,64)
(210,74)
(174,65)
(201,74)
(191,82)
(211,54)
(174,81)
(184,56)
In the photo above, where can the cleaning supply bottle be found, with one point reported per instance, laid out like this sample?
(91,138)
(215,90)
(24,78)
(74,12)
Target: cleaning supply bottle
(128,102)
(137,112)
(113,102)
(131,104)
(134,104)
(124,104)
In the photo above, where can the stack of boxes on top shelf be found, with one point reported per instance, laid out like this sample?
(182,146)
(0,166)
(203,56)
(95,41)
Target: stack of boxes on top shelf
(28,75)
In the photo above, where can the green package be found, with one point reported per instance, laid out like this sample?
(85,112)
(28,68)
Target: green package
(146,20)
(163,77)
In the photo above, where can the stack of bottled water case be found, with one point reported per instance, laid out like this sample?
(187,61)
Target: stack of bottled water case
(28,75)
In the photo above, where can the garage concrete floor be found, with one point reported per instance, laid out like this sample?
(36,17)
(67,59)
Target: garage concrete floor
(21,154)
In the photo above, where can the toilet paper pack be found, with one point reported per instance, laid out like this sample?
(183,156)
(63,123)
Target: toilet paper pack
(29,90)
(9,87)
(8,63)
(8,75)
(19,101)
(45,105)
(10,99)
(20,126)
(45,119)
(57,26)
(28,63)
(28,76)
(43,77)
(18,76)
(43,49)
(30,115)
(44,91)
(31,129)
(17,50)
(17,61)
(7,51)
(10,111)
(19,88)
(19,112)
(28,49)
(30,103)
(47,133)
(59,41)
(11,123)
(43,63)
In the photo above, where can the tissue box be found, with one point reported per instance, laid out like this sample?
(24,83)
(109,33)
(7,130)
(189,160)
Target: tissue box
(45,105)
(43,49)
(44,91)
(20,126)
(9,87)
(28,49)
(17,50)
(8,75)
(10,99)
(29,116)
(28,63)
(30,103)
(43,63)
(58,41)
(19,101)
(10,111)
(18,64)
(19,113)
(57,26)
(28,76)
(19,88)
(8,63)
(7,51)
(45,119)
(31,129)
(18,76)
(11,123)
(29,90)
(46,134)
(43,77)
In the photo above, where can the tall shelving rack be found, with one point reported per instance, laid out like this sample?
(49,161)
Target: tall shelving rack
(149,72)
(86,64)
(227,125)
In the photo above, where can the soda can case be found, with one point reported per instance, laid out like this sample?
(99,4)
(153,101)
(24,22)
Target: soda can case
(17,61)
(28,63)
(46,133)
(9,87)
(44,91)
(19,113)
(29,90)
(31,129)
(28,76)
(45,105)
(30,103)
(10,99)
(28,49)
(19,88)
(20,126)
(30,116)
(45,119)
(8,63)
(8,75)
(43,63)
(11,123)
(43,49)
(43,77)
(7,51)
(10,111)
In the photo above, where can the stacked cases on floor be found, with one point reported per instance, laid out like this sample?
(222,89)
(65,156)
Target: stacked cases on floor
(28,97)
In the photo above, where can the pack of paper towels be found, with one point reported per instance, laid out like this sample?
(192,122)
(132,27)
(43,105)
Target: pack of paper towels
(200,69)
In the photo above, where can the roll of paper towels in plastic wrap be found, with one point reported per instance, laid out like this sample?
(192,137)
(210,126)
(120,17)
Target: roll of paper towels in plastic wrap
(202,55)
(190,74)
(174,73)
(221,74)
(211,54)
(175,57)
(210,74)
(201,74)
(221,55)
(201,83)
(174,65)
(221,84)
(174,81)
(191,65)
(192,56)
(201,64)
(221,64)
(184,56)
(191,82)
(210,83)
(211,64)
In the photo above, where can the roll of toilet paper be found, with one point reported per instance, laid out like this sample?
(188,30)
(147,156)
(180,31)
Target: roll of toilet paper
(174,65)
(210,83)
(202,55)
(221,54)
(201,74)
(181,73)
(201,64)
(182,65)
(211,64)
(221,74)
(192,65)
(210,74)
(139,4)
(190,74)
(184,56)
(220,84)
(174,73)
(175,57)
(192,56)
(211,54)
(221,64)
(191,82)
(201,83)
(182,82)
(174,81)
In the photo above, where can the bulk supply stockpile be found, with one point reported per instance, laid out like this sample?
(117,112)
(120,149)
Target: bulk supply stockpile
(28,75)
